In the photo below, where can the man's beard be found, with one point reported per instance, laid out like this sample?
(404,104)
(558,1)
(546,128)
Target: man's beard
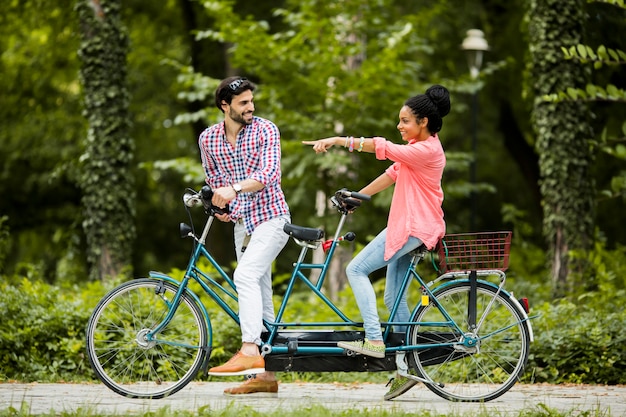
(239,118)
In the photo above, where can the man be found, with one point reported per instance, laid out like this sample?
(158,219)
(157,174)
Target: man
(241,159)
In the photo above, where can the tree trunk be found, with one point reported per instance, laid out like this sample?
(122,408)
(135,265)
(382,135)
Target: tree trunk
(106,178)
(563,132)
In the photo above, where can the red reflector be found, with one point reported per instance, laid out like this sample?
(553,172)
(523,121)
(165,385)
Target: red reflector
(524,302)
(326,245)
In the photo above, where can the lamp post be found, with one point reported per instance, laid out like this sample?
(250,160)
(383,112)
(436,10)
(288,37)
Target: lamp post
(474,46)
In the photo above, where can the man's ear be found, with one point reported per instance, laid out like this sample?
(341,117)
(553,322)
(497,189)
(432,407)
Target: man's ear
(224,104)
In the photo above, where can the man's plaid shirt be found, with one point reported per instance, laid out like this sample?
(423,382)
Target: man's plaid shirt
(256,156)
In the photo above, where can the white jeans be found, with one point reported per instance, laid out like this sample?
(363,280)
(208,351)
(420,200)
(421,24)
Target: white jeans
(253,275)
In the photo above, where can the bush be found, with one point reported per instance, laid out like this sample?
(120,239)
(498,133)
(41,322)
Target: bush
(578,343)
(581,339)
(42,332)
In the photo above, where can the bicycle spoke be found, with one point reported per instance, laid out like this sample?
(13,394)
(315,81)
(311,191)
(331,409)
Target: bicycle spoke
(488,366)
(129,362)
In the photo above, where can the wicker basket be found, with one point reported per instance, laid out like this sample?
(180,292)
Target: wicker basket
(474,251)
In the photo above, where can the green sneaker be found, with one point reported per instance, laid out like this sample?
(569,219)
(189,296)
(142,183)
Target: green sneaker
(399,385)
(364,347)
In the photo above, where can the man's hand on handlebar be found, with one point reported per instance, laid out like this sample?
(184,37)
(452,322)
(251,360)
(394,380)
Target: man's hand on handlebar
(204,197)
(222,196)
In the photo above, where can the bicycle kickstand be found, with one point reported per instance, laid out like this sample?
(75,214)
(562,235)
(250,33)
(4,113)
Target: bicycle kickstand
(403,370)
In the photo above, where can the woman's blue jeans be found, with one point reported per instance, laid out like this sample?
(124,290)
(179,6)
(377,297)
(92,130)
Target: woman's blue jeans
(370,259)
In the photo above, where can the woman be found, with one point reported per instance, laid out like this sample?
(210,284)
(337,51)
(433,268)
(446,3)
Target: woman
(415,215)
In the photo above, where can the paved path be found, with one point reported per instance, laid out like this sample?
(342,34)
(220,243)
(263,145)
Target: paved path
(96,398)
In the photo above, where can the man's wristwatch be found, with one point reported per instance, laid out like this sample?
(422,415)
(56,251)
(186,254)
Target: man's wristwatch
(237,188)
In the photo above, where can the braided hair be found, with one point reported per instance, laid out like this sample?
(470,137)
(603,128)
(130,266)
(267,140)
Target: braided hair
(433,104)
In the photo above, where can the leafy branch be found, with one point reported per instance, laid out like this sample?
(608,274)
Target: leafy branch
(590,93)
(601,56)
(618,3)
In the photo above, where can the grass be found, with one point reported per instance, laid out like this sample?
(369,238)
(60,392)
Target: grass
(307,411)
(303,412)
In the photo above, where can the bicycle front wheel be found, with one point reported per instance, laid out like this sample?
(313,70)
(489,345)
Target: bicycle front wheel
(483,363)
(133,364)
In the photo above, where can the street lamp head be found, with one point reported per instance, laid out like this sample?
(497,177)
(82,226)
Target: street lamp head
(474,45)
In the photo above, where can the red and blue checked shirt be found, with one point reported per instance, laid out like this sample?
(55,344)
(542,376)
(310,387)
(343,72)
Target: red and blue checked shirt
(256,156)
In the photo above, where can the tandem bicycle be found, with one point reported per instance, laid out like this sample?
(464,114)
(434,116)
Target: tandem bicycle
(467,339)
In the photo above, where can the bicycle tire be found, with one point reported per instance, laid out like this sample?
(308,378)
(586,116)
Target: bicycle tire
(122,358)
(472,374)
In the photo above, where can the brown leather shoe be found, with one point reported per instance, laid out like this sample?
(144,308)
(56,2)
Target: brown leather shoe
(240,364)
(253,386)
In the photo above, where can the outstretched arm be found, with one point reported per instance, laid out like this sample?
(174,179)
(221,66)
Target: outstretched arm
(352,143)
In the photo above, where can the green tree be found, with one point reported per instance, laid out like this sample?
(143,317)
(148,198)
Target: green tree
(40,125)
(106,180)
(611,141)
(308,88)
(42,134)
(563,134)
(315,82)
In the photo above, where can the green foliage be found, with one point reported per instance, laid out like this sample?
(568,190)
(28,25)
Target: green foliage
(313,410)
(605,276)
(188,168)
(4,241)
(41,122)
(591,92)
(602,55)
(581,339)
(565,159)
(611,93)
(42,332)
(585,54)
(619,3)
(527,274)
(315,82)
(578,342)
(308,79)
(106,179)
(43,131)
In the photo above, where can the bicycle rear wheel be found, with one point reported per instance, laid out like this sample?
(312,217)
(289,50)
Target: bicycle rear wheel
(131,364)
(485,363)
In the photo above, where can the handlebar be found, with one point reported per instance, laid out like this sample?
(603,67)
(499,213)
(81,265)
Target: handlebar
(203,197)
(353,194)
(347,201)
(344,199)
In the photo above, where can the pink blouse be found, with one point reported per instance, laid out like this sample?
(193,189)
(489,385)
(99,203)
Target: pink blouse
(416,204)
